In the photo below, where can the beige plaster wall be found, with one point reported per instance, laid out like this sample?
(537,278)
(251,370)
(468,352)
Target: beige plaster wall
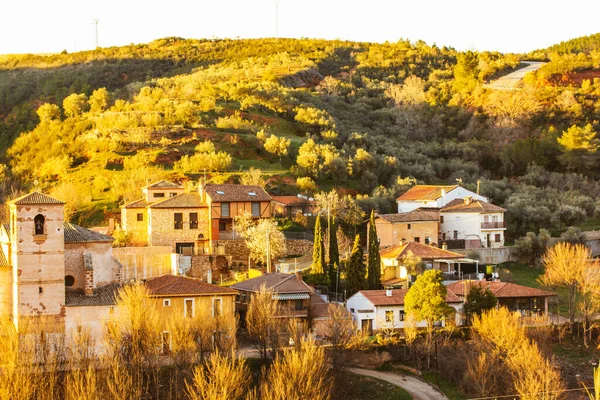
(137,230)
(106,267)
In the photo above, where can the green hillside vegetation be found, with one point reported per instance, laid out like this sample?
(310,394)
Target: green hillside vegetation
(363,117)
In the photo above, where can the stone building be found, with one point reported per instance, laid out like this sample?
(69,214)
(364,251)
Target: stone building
(190,222)
(43,257)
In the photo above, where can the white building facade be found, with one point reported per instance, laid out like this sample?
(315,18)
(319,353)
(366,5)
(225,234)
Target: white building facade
(430,196)
(478,223)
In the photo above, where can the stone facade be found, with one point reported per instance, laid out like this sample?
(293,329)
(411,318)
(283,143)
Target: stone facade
(106,267)
(38,259)
(218,264)
(239,252)
(136,229)
(162,232)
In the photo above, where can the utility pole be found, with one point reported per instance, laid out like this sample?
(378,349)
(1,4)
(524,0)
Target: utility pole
(268,251)
(95,22)
(277,18)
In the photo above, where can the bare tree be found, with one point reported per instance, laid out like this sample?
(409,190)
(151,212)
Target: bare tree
(263,327)
(224,377)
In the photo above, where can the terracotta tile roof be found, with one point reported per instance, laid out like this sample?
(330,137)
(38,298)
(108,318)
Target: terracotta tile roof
(184,200)
(380,297)
(425,192)
(141,203)
(164,185)
(293,200)
(3,260)
(171,285)
(411,216)
(78,234)
(277,282)
(424,251)
(500,289)
(232,192)
(36,198)
(319,308)
(105,295)
(478,206)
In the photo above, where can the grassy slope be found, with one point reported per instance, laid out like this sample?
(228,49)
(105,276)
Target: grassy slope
(367,388)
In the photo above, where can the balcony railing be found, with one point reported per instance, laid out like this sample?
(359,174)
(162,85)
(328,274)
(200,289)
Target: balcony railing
(493,225)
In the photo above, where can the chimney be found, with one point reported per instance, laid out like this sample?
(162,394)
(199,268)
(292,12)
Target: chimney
(444,246)
(202,192)
(299,276)
(89,281)
(147,182)
(209,276)
(111,225)
(443,192)
(467,200)
(388,292)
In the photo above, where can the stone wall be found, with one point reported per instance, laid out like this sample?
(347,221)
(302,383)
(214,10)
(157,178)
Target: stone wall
(488,255)
(162,228)
(144,262)
(106,267)
(239,252)
(218,264)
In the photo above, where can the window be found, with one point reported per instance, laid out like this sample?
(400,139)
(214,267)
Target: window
(427,240)
(167,303)
(443,235)
(255,209)
(407,226)
(178,220)
(69,280)
(159,195)
(401,315)
(352,310)
(193,220)
(455,234)
(389,316)
(188,308)
(41,290)
(253,194)
(140,216)
(497,238)
(486,218)
(417,239)
(298,305)
(220,192)
(222,226)
(224,209)
(39,224)
(172,194)
(441,219)
(216,309)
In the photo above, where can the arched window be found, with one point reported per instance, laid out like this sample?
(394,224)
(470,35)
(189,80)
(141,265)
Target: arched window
(39,224)
(69,280)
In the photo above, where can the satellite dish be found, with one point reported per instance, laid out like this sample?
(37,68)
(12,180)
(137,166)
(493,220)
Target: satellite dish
(311,199)
(299,196)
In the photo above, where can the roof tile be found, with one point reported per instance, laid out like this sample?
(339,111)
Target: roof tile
(171,285)
(277,282)
(478,206)
(411,216)
(423,251)
(425,192)
(232,192)
(78,234)
(36,198)
(380,297)
(499,289)
(164,185)
(105,295)
(184,200)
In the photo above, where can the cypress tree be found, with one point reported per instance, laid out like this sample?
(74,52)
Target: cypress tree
(355,271)
(318,260)
(334,253)
(374,263)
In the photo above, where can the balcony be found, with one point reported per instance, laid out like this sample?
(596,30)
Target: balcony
(291,313)
(493,225)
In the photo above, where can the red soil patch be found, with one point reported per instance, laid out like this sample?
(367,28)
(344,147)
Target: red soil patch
(168,158)
(574,78)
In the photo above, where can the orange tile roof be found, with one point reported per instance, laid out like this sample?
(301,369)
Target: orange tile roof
(423,251)
(233,192)
(277,282)
(478,206)
(293,200)
(411,216)
(171,285)
(380,297)
(36,198)
(500,289)
(425,192)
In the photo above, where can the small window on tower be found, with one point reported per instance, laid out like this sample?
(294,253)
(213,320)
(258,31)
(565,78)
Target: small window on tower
(69,280)
(41,290)
(39,224)
(140,216)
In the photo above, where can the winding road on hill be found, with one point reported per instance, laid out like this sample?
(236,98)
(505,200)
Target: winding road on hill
(417,388)
(509,81)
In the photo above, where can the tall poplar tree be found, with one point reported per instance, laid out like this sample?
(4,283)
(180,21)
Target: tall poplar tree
(334,253)
(318,261)
(374,262)
(356,270)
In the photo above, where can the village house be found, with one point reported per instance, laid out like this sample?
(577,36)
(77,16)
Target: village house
(432,196)
(190,222)
(419,226)
(476,223)
(394,273)
(526,301)
(290,206)
(373,310)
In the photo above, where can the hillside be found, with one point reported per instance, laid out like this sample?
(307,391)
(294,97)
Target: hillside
(363,117)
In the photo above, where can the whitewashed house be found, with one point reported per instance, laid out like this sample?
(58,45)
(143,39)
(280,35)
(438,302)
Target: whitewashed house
(433,196)
(477,222)
(373,310)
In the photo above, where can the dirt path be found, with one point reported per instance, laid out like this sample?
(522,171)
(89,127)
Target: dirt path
(418,389)
(509,81)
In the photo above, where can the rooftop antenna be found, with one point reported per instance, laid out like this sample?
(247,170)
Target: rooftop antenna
(95,22)
(277,18)
(459,180)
